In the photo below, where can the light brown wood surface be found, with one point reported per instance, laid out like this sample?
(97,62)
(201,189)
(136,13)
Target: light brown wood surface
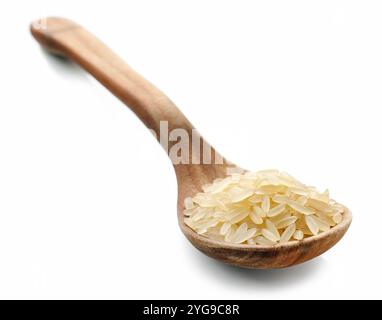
(66,38)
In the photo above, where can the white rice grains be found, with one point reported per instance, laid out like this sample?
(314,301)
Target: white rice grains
(264,208)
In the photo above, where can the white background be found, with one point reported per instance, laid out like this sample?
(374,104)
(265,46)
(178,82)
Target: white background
(87,196)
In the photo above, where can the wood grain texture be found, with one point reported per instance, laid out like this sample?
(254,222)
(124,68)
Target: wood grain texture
(66,38)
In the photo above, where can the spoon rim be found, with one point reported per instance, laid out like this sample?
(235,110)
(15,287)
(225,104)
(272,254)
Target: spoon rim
(342,226)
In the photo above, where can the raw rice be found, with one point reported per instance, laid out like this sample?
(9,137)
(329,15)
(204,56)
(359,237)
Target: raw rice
(262,208)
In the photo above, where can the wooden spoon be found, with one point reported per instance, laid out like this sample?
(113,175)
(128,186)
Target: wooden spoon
(66,38)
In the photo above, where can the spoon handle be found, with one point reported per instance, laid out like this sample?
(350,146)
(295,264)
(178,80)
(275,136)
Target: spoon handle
(66,38)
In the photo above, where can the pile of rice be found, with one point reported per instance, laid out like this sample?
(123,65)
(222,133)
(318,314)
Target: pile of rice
(264,208)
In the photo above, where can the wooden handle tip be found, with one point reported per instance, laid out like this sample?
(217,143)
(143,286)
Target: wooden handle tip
(43,31)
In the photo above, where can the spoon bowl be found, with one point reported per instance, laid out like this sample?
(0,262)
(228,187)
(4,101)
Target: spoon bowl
(66,38)
(245,255)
